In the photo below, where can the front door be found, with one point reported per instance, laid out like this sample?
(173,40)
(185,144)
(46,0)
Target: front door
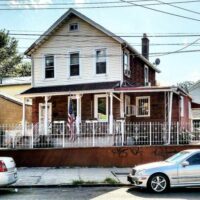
(42,116)
(190,174)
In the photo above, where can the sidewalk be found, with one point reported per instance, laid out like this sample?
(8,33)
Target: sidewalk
(49,176)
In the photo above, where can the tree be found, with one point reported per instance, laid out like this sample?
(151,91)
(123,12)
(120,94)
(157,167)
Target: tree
(186,85)
(9,56)
(22,69)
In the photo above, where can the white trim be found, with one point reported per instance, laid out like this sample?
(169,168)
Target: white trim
(146,81)
(96,108)
(44,67)
(72,31)
(106,57)
(149,106)
(71,51)
(50,107)
(182,102)
(74,97)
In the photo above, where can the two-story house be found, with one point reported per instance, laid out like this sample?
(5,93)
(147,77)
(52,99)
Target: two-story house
(194,91)
(106,78)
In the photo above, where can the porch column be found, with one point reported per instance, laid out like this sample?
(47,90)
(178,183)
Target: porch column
(170,116)
(121,105)
(23,116)
(46,116)
(111,114)
(78,111)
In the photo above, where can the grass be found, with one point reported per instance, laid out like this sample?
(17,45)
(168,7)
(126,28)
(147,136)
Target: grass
(105,181)
(110,181)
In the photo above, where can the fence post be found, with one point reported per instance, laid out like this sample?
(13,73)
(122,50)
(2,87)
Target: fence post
(150,132)
(13,142)
(93,135)
(177,130)
(122,131)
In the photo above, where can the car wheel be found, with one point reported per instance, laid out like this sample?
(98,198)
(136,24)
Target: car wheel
(158,183)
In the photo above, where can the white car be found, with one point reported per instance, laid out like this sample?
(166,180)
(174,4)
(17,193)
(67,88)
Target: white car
(8,171)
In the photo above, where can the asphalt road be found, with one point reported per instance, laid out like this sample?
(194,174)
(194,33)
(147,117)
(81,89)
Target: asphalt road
(96,193)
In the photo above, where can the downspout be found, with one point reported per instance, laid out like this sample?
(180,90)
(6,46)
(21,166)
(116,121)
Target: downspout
(170,116)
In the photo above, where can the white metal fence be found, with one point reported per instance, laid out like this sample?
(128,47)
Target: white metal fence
(94,134)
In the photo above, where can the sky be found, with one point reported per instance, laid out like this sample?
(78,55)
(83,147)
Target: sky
(130,20)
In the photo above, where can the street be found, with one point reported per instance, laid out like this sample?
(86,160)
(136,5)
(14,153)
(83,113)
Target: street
(96,193)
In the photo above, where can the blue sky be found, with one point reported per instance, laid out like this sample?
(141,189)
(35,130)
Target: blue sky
(123,21)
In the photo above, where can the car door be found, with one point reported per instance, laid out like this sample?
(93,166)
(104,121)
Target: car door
(190,174)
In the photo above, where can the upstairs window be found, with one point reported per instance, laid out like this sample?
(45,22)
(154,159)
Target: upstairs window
(146,76)
(101,61)
(127,71)
(49,66)
(126,61)
(73,27)
(74,64)
(143,106)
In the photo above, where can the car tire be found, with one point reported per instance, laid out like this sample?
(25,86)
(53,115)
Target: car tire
(158,183)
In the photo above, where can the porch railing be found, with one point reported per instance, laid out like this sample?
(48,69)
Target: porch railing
(97,134)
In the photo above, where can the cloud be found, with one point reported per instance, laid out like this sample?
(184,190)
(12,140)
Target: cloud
(29,3)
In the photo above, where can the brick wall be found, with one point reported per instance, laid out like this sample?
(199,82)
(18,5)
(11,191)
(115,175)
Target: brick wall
(137,72)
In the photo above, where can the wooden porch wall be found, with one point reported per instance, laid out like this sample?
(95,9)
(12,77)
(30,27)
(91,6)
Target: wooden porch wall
(93,157)
(59,108)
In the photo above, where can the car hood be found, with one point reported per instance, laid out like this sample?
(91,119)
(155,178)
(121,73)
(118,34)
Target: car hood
(153,165)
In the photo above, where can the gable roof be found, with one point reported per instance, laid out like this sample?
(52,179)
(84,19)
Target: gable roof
(196,85)
(70,12)
(26,80)
(13,99)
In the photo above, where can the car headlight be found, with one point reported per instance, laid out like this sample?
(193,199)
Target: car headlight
(140,172)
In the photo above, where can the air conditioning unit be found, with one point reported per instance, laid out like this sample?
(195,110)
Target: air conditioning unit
(127,72)
(148,84)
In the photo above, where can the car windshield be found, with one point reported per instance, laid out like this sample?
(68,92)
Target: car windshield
(178,157)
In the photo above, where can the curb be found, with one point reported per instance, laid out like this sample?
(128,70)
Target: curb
(67,186)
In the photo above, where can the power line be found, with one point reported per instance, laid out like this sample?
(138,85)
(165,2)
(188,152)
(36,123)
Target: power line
(102,36)
(90,7)
(60,55)
(163,12)
(180,8)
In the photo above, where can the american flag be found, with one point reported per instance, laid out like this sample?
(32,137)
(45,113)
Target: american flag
(71,121)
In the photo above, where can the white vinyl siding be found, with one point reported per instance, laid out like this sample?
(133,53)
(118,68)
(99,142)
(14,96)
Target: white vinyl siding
(87,46)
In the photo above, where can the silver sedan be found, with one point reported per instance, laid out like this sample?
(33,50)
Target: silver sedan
(180,170)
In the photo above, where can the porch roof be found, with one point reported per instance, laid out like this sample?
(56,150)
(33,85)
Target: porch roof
(146,89)
(71,88)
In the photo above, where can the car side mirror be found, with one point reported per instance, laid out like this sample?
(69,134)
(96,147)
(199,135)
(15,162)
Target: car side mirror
(185,163)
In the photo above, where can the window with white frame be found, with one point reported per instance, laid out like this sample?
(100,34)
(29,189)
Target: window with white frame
(49,66)
(182,106)
(142,106)
(101,108)
(73,27)
(126,61)
(74,64)
(146,75)
(101,61)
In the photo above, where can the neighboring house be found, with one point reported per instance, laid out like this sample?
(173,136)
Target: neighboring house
(13,86)
(11,110)
(11,103)
(195,94)
(105,77)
